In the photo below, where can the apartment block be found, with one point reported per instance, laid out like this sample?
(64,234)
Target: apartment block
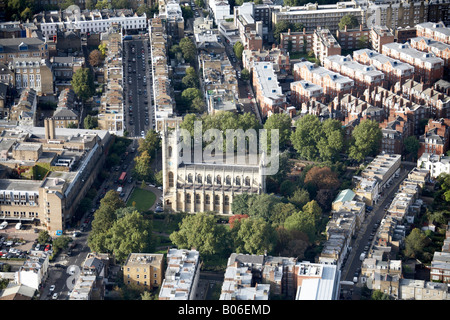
(144,269)
(438,48)
(383,167)
(24,111)
(63,70)
(363,76)
(22,48)
(181,276)
(220,83)
(317,281)
(279,273)
(434,30)
(303,91)
(354,108)
(325,44)
(163,98)
(278,57)
(312,15)
(403,13)
(411,289)
(428,68)
(440,267)
(88,21)
(220,9)
(268,92)
(351,39)
(73,158)
(403,35)
(170,12)
(436,102)
(85,288)
(393,69)
(435,163)
(435,140)
(395,105)
(380,35)
(111,109)
(297,41)
(35,73)
(367,189)
(394,133)
(333,83)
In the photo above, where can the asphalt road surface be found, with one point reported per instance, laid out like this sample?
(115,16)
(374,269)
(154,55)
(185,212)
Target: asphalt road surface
(138,108)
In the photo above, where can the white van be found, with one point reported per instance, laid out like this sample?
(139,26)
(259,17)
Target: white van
(3,225)
(18,226)
(119,189)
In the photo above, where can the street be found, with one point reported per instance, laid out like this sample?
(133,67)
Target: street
(377,214)
(138,106)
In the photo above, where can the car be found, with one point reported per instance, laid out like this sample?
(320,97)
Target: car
(122,195)
(55,296)
(366,248)
(159,209)
(48,247)
(142,133)
(52,288)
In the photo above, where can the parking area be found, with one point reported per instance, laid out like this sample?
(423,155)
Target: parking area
(15,243)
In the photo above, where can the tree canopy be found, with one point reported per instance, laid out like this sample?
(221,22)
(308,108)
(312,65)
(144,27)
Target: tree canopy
(315,140)
(83,83)
(200,231)
(348,20)
(367,138)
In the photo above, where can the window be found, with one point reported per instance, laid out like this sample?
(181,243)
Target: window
(171,182)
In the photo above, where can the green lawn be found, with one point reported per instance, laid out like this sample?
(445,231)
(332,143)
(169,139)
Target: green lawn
(144,199)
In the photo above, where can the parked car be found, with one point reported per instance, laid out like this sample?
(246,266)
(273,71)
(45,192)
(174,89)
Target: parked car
(55,296)
(52,288)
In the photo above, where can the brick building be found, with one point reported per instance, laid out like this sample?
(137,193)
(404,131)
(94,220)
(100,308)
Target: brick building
(428,68)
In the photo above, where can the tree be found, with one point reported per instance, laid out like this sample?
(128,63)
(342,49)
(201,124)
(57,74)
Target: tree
(261,205)
(202,232)
(43,237)
(415,242)
(281,122)
(95,58)
(90,122)
(412,146)
(239,206)
(142,167)
(187,12)
(190,80)
(280,27)
(302,222)
(306,137)
(238,48)
(312,208)
(379,295)
(349,21)
(103,4)
(188,48)
(254,236)
(235,218)
(245,75)
(83,83)
(366,140)
(332,140)
(60,243)
(132,233)
(299,198)
(200,3)
(281,211)
(120,4)
(291,243)
(322,178)
(150,143)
